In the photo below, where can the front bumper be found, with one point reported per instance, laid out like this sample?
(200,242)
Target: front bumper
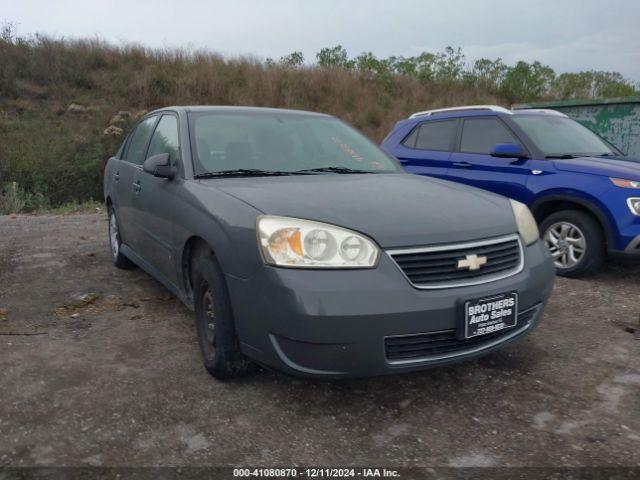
(334,323)
(624,238)
(631,251)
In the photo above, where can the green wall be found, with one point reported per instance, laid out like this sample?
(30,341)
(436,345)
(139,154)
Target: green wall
(617,120)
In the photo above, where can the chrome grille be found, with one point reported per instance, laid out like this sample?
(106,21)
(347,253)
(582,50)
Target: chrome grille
(437,267)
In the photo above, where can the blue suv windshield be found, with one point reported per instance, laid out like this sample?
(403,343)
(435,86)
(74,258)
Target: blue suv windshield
(561,136)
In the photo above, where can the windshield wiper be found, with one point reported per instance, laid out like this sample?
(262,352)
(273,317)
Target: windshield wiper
(333,170)
(244,172)
(253,172)
(565,156)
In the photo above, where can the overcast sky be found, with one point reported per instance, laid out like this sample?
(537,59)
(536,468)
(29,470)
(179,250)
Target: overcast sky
(568,35)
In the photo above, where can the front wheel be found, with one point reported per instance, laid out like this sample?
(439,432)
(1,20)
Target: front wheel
(219,344)
(575,241)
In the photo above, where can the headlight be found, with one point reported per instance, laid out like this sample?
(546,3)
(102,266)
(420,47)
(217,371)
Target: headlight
(527,226)
(620,182)
(634,205)
(292,242)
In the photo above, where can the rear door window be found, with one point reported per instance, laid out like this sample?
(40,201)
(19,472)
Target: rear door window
(122,149)
(438,136)
(165,139)
(480,135)
(139,139)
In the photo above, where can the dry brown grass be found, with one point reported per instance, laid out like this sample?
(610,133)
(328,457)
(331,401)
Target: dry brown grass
(61,156)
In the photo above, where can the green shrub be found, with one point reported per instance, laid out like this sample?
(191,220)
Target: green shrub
(15,199)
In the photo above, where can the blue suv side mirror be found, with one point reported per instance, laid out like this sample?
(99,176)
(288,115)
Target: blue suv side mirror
(507,150)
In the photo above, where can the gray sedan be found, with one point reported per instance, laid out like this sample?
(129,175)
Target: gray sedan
(303,247)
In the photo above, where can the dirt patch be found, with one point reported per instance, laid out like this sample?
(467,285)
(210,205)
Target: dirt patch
(121,383)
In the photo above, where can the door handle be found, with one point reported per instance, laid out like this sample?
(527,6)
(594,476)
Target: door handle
(462,164)
(137,187)
(116,176)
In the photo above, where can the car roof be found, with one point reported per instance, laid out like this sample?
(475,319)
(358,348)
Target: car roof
(238,109)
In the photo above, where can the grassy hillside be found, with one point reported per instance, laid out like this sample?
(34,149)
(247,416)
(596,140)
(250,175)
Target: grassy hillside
(57,98)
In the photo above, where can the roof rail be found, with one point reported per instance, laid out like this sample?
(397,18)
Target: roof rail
(493,108)
(548,111)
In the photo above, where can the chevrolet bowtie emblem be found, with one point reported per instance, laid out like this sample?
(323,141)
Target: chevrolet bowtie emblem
(472,262)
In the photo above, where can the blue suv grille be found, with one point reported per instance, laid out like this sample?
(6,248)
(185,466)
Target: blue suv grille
(440,267)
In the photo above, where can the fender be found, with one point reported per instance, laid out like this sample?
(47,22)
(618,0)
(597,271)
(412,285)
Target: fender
(201,209)
(590,204)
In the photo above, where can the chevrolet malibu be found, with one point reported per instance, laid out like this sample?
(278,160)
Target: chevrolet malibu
(301,246)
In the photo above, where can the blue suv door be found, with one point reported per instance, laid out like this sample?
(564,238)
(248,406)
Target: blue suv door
(427,149)
(473,164)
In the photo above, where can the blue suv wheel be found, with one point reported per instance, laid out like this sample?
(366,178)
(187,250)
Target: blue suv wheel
(575,242)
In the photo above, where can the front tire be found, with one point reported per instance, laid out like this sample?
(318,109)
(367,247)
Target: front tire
(217,337)
(575,241)
(115,241)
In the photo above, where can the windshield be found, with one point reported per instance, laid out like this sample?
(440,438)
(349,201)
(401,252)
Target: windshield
(254,143)
(561,136)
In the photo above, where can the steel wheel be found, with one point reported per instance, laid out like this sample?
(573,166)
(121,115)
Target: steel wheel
(567,244)
(217,339)
(207,324)
(114,235)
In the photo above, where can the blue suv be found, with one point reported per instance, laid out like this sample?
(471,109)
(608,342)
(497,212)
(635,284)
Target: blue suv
(583,192)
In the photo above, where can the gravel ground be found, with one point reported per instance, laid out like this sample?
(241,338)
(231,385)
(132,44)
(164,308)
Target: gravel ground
(100,366)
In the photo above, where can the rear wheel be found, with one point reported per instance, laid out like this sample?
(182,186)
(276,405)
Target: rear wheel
(115,241)
(219,344)
(575,241)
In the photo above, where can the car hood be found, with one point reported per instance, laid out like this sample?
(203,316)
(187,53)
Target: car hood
(394,209)
(622,167)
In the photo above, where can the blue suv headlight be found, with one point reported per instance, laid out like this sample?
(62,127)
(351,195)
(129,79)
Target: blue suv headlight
(634,205)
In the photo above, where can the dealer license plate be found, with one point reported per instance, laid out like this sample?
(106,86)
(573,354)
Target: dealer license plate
(490,314)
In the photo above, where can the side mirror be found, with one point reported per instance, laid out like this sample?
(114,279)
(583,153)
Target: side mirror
(159,166)
(507,150)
